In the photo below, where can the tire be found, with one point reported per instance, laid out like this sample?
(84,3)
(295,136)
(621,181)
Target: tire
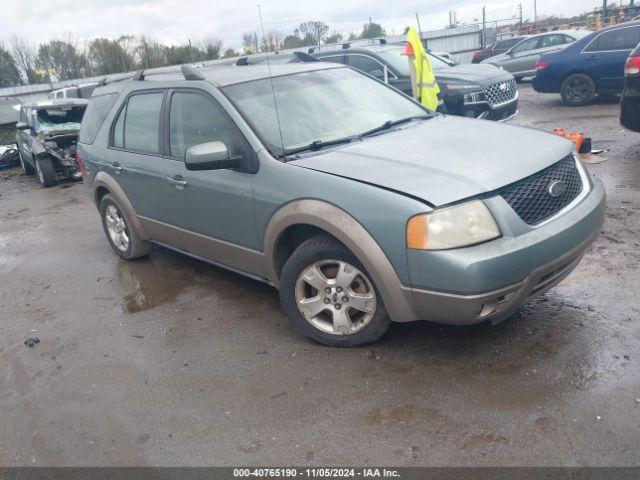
(45,171)
(577,90)
(116,223)
(331,317)
(27,168)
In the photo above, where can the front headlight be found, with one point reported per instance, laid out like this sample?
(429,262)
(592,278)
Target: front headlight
(452,227)
(474,97)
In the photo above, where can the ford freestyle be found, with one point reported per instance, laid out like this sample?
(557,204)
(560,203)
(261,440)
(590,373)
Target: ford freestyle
(358,204)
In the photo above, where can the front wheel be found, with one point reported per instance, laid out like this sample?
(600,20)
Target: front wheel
(46,172)
(577,90)
(328,295)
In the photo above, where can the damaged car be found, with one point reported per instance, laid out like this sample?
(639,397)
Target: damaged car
(47,138)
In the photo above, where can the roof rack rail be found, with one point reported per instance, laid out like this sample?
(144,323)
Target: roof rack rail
(304,57)
(190,73)
(311,50)
(346,45)
(242,61)
(138,76)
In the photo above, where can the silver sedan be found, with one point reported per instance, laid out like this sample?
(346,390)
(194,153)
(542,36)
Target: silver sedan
(521,59)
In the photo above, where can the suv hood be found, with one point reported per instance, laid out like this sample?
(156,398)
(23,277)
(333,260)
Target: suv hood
(443,160)
(481,74)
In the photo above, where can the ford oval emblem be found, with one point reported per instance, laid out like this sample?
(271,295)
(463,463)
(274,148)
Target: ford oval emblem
(557,188)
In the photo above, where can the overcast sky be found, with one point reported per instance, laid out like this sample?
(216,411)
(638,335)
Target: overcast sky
(175,21)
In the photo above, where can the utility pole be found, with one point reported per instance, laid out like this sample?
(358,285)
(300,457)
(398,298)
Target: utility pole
(483,37)
(535,11)
(520,12)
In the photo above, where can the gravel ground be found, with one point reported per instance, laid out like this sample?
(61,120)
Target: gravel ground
(171,361)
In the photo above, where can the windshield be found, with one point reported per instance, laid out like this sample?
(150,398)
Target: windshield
(395,58)
(318,106)
(54,119)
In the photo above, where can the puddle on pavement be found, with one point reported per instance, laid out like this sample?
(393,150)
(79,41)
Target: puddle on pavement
(162,278)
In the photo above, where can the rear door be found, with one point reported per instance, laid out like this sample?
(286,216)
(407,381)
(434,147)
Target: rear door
(604,57)
(24,138)
(522,56)
(134,156)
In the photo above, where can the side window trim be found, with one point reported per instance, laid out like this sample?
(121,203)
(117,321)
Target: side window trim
(585,49)
(392,75)
(123,106)
(166,123)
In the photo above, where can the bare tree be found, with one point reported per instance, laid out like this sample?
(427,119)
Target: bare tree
(212,47)
(314,30)
(150,53)
(272,41)
(24,56)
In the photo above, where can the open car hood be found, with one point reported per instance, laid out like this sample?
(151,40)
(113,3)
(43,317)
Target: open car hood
(444,159)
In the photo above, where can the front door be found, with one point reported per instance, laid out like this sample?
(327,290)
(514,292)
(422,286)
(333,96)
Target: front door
(212,209)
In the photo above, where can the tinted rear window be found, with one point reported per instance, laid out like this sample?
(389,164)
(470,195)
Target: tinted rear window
(619,39)
(97,111)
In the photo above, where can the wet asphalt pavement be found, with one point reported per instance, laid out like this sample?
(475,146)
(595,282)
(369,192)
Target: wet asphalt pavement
(171,361)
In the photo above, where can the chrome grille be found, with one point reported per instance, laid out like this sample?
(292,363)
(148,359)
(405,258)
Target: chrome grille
(501,92)
(530,197)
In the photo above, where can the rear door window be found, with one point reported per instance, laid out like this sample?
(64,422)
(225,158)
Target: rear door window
(138,124)
(98,109)
(619,39)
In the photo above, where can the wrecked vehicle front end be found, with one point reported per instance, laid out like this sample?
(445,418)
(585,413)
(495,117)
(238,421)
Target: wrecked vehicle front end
(62,149)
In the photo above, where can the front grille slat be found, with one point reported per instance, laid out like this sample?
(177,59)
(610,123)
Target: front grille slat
(530,197)
(501,92)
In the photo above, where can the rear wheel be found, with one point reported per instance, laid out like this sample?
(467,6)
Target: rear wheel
(122,237)
(26,167)
(329,297)
(45,171)
(577,90)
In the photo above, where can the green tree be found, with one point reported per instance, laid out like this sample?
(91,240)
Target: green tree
(108,56)
(372,30)
(335,37)
(184,54)
(62,57)
(230,52)
(9,74)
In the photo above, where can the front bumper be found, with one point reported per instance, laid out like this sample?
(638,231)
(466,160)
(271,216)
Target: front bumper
(492,280)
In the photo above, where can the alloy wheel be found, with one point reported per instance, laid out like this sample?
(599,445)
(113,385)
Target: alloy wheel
(577,90)
(117,228)
(335,297)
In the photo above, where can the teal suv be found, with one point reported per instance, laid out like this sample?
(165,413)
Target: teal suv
(358,204)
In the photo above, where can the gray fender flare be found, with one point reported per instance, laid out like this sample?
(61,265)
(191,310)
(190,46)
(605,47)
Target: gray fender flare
(103,179)
(397,299)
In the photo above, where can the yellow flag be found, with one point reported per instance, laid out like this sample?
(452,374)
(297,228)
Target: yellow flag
(426,87)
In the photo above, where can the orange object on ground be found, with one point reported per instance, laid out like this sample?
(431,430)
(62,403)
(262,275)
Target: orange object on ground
(576,137)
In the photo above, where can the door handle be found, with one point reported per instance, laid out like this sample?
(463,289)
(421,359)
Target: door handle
(178,181)
(116,167)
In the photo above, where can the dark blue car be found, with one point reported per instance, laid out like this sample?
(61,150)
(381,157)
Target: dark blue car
(592,65)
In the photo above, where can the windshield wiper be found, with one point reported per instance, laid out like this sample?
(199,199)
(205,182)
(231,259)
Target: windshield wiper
(319,144)
(392,123)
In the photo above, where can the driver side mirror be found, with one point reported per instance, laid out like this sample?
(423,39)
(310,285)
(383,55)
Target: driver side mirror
(22,126)
(210,156)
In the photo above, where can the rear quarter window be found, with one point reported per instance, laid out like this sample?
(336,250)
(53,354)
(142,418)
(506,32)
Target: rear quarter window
(97,110)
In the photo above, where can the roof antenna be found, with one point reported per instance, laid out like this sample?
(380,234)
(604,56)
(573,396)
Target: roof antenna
(273,90)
